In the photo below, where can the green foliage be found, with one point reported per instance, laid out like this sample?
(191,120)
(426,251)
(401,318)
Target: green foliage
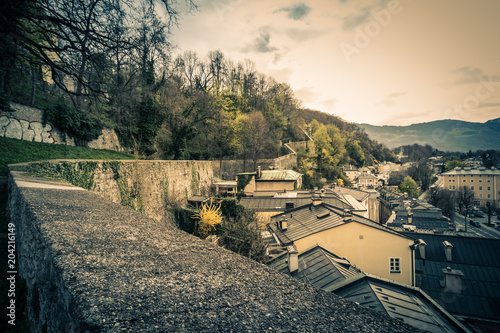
(18,151)
(241,234)
(409,186)
(79,174)
(243,181)
(454,163)
(114,166)
(231,209)
(72,121)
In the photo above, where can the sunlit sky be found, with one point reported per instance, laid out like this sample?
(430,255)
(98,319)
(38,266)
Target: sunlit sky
(367,61)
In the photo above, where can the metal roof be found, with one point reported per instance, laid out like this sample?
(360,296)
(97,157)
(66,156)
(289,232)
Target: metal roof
(262,204)
(308,220)
(286,175)
(356,194)
(318,267)
(327,271)
(472,171)
(411,305)
(479,261)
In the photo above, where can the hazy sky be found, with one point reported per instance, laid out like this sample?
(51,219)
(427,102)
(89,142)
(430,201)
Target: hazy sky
(367,61)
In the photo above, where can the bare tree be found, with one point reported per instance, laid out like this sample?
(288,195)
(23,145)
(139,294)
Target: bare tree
(465,200)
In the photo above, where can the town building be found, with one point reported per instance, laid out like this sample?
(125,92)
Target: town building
(371,247)
(266,204)
(325,270)
(367,180)
(268,180)
(462,274)
(484,182)
(351,172)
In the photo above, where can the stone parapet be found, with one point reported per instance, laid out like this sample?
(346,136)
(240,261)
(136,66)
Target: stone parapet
(92,265)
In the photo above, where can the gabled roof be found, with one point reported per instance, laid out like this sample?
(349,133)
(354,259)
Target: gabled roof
(279,175)
(327,271)
(318,267)
(366,176)
(310,219)
(479,261)
(410,305)
(269,204)
(356,194)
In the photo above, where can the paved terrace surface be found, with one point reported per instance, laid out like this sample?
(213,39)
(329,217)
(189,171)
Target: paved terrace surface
(119,271)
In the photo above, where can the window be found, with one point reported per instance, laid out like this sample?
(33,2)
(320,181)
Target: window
(489,188)
(472,188)
(472,180)
(464,180)
(480,195)
(394,264)
(480,180)
(489,180)
(480,188)
(489,196)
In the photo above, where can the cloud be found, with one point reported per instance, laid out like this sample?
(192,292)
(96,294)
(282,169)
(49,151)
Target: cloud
(353,20)
(262,43)
(389,99)
(407,118)
(298,35)
(307,94)
(330,103)
(295,12)
(469,75)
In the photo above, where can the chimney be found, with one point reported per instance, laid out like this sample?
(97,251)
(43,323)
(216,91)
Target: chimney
(347,215)
(410,216)
(316,200)
(448,247)
(421,248)
(293,258)
(259,173)
(283,224)
(452,280)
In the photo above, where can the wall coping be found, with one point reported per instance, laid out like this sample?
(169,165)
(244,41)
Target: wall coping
(114,269)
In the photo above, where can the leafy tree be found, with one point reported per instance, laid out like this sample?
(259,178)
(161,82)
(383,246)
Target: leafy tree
(409,186)
(454,163)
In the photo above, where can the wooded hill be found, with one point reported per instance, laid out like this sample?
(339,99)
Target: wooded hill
(446,135)
(98,63)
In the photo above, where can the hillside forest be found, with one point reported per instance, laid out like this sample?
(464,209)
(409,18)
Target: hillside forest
(102,63)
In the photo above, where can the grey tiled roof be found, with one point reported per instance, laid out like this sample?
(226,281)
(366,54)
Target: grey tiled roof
(478,259)
(329,272)
(408,304)
(263,204)
(318,267)
(308,220)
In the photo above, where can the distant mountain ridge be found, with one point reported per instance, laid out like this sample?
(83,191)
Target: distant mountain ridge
(446,135)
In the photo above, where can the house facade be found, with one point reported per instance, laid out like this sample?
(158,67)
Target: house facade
(372,248)
(484,182)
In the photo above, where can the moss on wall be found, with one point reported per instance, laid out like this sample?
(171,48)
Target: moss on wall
(195,180)
(243,181)
(77,173)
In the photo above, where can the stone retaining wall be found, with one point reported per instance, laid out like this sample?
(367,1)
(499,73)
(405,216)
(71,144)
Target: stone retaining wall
(26,123)
(92,265)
